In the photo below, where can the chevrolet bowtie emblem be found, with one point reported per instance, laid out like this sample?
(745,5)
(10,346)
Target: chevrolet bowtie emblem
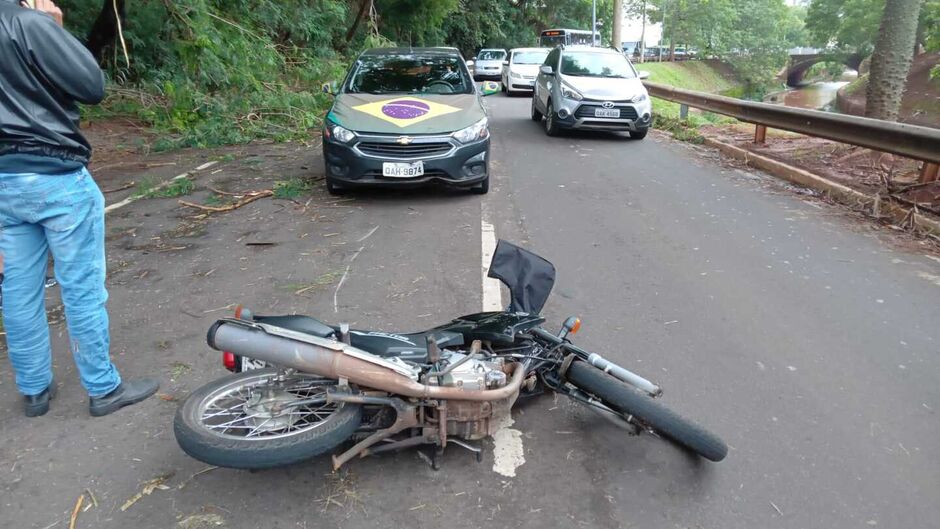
(404,140)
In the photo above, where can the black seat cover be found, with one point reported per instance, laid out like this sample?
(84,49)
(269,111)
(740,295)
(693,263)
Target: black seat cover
(299,323)
(412,347)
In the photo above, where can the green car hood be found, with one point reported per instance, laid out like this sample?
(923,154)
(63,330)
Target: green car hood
(406,114)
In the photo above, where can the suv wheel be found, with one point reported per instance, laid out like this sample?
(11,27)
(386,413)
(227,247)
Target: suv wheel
(482,188)
(638,134)
(551,123)
(536,115)
(332,188)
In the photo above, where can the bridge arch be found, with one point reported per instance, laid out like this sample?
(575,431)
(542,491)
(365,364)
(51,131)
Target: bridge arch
(799,64)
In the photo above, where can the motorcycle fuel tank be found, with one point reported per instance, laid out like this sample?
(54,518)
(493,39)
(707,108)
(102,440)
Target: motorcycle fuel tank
(500,327)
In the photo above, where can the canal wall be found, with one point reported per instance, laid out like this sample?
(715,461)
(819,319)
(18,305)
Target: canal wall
(920,104)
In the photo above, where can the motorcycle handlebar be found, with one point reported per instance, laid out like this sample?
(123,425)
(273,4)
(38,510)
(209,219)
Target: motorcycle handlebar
(601,363)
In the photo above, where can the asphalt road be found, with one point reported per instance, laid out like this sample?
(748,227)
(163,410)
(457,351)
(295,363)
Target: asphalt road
(807,341)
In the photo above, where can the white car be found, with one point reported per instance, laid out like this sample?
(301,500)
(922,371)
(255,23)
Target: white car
(521,69)
(488,64)
(591,88)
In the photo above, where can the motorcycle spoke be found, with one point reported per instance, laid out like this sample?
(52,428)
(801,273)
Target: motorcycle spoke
(242,412)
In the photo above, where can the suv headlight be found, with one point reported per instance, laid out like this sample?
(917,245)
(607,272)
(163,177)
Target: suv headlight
(515,75)
(475,132)
(571,93)
(338,133)
(639,98)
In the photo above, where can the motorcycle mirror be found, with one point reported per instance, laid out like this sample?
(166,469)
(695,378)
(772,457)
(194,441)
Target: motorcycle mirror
(571,326)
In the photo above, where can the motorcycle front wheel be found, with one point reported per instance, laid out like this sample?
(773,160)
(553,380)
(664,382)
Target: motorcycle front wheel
(256,419)
(632,402)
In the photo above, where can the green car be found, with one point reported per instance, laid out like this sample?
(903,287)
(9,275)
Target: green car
(408,117)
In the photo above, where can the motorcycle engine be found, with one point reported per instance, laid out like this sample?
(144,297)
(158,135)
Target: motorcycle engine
(473,374)
(473,420)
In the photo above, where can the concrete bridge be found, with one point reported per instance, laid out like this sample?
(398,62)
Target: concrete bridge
(801,59)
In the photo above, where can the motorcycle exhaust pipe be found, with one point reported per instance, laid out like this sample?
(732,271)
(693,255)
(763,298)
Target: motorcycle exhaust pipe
(336,360)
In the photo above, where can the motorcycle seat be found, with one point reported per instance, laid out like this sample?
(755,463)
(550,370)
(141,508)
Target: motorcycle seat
(412,346)
(407,346)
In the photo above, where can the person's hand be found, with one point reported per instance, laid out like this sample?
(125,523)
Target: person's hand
(48,7)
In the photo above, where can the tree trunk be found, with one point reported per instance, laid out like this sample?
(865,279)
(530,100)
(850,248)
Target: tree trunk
(891,60)
(363,6)
(616,34)
(104,30)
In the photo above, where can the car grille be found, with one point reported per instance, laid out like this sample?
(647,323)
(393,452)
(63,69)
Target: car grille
(404,152)
(587,111)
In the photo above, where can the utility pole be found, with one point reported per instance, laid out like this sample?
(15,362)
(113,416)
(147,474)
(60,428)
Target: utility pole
(663,30)
(593,22)
(643,34)
(616,34)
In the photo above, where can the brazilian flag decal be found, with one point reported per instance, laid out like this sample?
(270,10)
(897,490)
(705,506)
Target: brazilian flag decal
(405,111)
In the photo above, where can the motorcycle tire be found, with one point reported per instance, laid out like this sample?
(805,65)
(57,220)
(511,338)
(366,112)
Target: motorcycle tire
(209,446)
(630,401)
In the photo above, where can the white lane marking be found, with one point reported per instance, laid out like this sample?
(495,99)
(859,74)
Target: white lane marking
(492,295)
(507,450)
(930,277)
(135,196)
(508,453)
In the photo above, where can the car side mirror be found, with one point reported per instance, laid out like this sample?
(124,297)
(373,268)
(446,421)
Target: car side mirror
(643,74)
(547,70)
(329,88)
(470,63)
(505,63)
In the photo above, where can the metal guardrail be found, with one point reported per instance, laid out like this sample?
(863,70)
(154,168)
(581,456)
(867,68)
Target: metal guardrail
(911,141)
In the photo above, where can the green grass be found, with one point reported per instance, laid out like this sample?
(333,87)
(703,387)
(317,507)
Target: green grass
(146,188)
(690,75)
(292,188)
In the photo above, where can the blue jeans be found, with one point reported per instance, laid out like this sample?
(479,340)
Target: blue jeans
(65,214)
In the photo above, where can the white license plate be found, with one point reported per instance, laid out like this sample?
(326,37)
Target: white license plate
(402,170)
(606,112)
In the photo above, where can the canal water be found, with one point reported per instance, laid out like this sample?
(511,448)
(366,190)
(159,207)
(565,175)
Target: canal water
(818,95)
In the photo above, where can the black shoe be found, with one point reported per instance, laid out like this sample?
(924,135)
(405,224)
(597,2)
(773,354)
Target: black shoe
(129,392)
(38,405)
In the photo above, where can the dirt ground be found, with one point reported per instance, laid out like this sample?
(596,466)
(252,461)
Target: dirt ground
(869,171)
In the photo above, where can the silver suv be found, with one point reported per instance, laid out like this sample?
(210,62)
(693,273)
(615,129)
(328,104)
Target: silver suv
(592,89)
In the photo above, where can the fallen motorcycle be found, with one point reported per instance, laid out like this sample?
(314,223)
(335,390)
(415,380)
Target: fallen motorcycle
(302,388)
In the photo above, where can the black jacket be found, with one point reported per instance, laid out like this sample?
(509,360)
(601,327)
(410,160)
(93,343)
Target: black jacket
(44,73)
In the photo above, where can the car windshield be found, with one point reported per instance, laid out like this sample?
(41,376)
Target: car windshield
(491,55)
(592,64)
(529,57)
(409,74)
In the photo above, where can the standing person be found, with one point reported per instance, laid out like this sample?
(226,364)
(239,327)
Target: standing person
(49,201)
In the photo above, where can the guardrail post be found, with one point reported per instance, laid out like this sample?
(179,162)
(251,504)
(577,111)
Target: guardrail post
(929,172)
(760,134)
(683,111)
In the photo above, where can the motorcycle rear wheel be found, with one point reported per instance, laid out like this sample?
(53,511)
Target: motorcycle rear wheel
(245,421)
(630,401)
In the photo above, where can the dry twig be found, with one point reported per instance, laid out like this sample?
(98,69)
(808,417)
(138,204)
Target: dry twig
(221,209)
(78,507)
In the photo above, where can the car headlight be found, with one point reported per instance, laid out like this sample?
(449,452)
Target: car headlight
(515,75)
(475,132)
(338,133)
(571,93)
(639,98)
